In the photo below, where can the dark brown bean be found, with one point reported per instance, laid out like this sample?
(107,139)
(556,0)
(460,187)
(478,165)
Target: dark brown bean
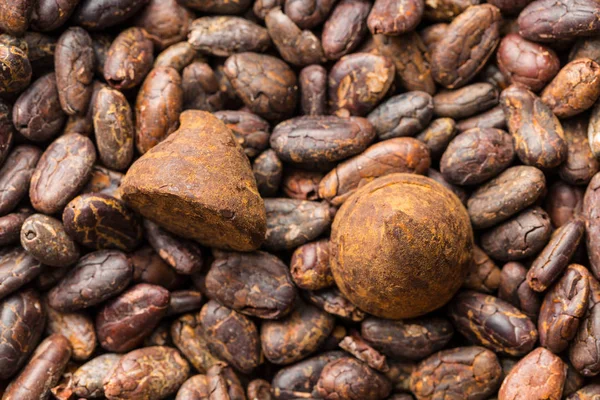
(262,7)
(22,319)
(74,64)
(101,14)
(583,350)
(446,10)
(515,290)
(549,20)
(307,14)
(588,392)
(84,124)
(61,173)
(201,90)
(37,113)
(554,258)
(477,155)
(97,276)
(49,15)
(151,373)
(469,41)
(384,17)
(563,308)
(507,194)
(528,63)
(256,284)
(7,130)
(99,221)
(177,56)
(42,372)
(591,214)
(537,132)
(217,6)
(224,36)
(259,389)
(351,379)
(103,180)
(101,44)
(113,127)
(292,223)
(457,190)
(580,165)
(15,176)
(358,82)
(229,385)
(15,16)
(302,184)
(188,336)
(250,130)
(231,336)
(438,135)
(313,90)
(17,268)
(200,387)
(310,266)
(492,74)
(522,236)
(148,267)
(268,170)
(87,380)
(50,277)
(15,67)
(540,374)
(406,155)
(488,321)
(493,118)
(167,22)
(182,255)
(472,373)
(484,275)
(267,85)
(345,28)
(182,301)
(466,101)
(77,328)
(45,239)
(332,301)
(129,59)
(402,115)
(563,203)
(586,48)
(123,323)
(297,335)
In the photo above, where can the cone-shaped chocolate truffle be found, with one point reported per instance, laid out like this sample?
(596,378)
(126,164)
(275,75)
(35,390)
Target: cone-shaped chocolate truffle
(198,184)
(401,246)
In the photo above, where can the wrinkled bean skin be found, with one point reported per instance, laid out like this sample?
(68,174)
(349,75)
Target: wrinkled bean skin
(583,350)
(554,258)
(217,6)
(345,28)
(45,239)
(297,335)
(476,29)
(49,15)
(157,108)
(488,321)
(200,387)
(321,140)
(591,214)
(580,165)
(17,268)
(98,15)
(22,323)
(84,124)
(99,221)
(250,130)
(224,35)
(513,190)
(308,14)
(563,308)
(477,155)
(259,389)
(313,89)
(348,378)
(87,379)
(390,156)
(537,132)
(332,301)
(466,101)
(113,127)
(167,22)
(49,278)
(301,184)
(74,61)
(446,10)
(123,323)
(292,223)
(310,266)
(549,20)
(411,59)
(515,290)
(484,275)
(256,284)
(177,56)
(15,16)
(151,373)
(103,180)
(539,375)
(402,115)
(61,172)
(253,75)
(7,130)
(182,301)
(295,46)
(97,277)
(438,135)
(42,372)
(563,203)
(268,171)
(15,176)
(262,7)
(358,82)
(77,328)
(298,380)
(15,69)
(148,267)
(129,59)
(411,339)
(228,382)
(588,392)
(184,256)
(385,19)
(493,118)
(574,89)
(231,336)
(37,113)
(472,373)
(520,237)
(201,89)
(528,63)
(188,336)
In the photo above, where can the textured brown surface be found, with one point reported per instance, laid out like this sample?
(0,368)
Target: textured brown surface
(310,266)
(15,176)
(188,336)
(466,101)
(402,115)
(348,378)
(16,69)
(268,171)
(515,290)
(45,239)
(345,28)
(580,165)
(484,275)
(184,256)
(17,268)
(101,14)
(591,214)
(385,19)
(166,21)
(77,328)
(129,59)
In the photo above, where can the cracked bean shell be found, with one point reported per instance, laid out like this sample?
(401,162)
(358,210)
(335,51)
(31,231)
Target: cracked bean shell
(351,379)
(129,59)
(17,268)
(15,176)
(45,239)
(15,69)
(77,328)
(402,115)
